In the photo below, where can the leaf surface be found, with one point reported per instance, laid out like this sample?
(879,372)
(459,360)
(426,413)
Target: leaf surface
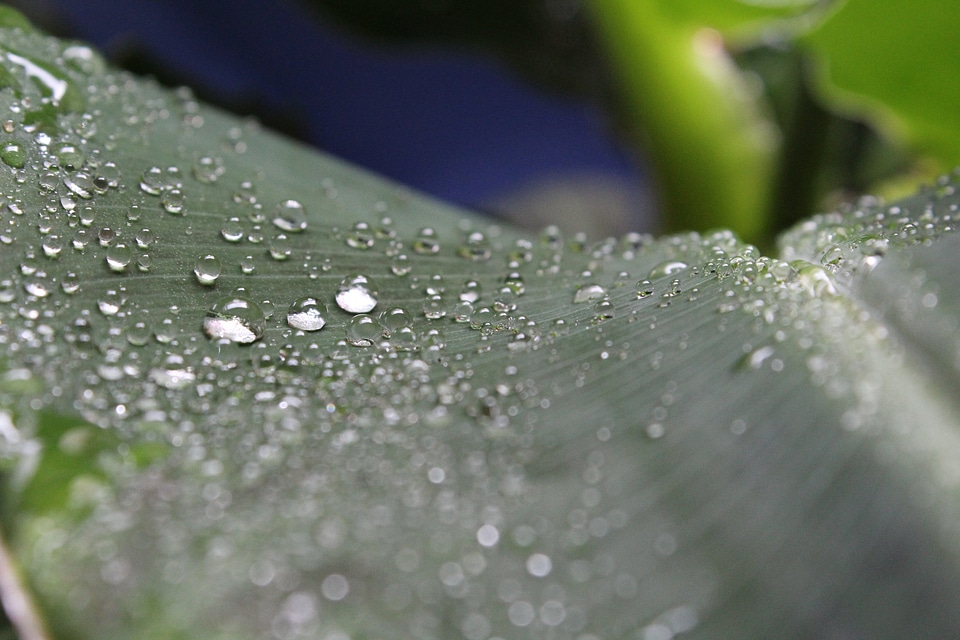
(624,438)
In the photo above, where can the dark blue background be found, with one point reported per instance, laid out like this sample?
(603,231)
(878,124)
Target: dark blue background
(454,124)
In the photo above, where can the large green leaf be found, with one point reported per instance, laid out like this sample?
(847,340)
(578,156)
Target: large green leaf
(624,439)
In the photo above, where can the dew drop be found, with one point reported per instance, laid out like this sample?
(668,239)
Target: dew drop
(400,265)
(152,181)
(145,238)
(394,319)
(426,243)
(280,247)
(363,331)
(80,184)
(290,216)
(232,230)
(361,236)
(357,294)
(475,247)
(52,246)
(248,265)
(307,314)
(666,268)
(68,155)
(589,293)
(208,169)
(13,154)
(118,258)
(207,269)
(644,289)
(235,318)
(172,201)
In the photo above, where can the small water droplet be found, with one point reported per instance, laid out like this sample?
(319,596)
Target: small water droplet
(118,258)
(666,268)
(172,201)
(13,154)
(152,181)
(290,216)
(363,331)
(357,294)
(400,265)
(232,230)
(247,264)
(644,289)
(280,247)
(426,243)
(70,283)
(207,269)
(110,303)
(235,318)
(307,314)
(145,238)
(589,293)
(470,291)
(68,155)
(207,169)
(52,246)
(361,236)
(80,184)
(463,311)
(395,319)
(475,247)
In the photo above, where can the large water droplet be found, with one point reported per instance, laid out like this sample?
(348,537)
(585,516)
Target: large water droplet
(307,314)
(207,269)
(427,242)
(235,318)
(289,216)
(357,294)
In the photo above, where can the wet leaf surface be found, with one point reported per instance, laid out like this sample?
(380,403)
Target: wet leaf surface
(251,392)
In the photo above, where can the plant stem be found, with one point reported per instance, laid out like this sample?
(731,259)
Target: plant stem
(16,600)
(714,155)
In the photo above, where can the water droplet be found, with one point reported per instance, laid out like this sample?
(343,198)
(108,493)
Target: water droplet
(172,201)
(246,193)
(248,265)
(145,238)
(110,303)
(357,294)
(363,331)
(138,333)
(394,319)
(290,216)
(644,289)
(463,311)
(307,314)
(426,243)
(207,269)
(70,283)
(80,183)
(208,169)
(667,268)
(475,247)
(589,293)
(470,292)
(603,310)
(13,154)
(400,265)
(280,247)
(232,230)
(361,236)
(235,318)
(68,155)
(152,181)
(52,246)
(118,258)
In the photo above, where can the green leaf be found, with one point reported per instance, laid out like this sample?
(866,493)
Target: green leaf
(889,63)
(625,438)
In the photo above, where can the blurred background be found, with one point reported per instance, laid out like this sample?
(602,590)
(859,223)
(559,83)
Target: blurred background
(449,120)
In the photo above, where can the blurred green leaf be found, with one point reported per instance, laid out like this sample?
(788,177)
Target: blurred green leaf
(622,438)
(894,63)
